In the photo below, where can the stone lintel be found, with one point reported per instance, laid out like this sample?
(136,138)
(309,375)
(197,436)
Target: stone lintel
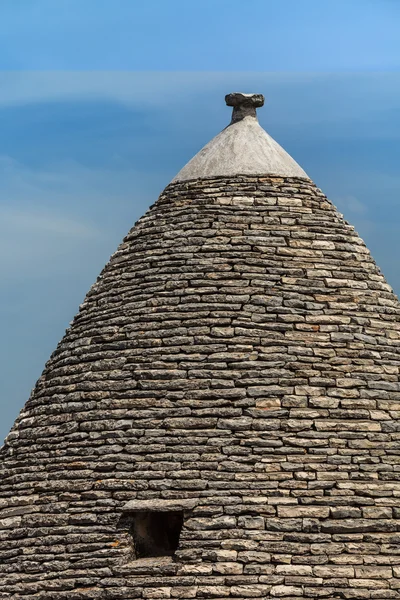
(159,505)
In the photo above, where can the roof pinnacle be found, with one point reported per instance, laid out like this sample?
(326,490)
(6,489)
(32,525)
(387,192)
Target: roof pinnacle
(241,148)
(244,105)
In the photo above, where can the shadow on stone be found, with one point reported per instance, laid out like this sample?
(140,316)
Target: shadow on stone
(153,533)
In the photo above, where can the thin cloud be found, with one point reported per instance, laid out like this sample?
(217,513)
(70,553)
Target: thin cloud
(151,88)
(26,221)
(41,233)
(351,204)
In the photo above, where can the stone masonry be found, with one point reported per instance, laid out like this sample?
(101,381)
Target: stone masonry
(237,359)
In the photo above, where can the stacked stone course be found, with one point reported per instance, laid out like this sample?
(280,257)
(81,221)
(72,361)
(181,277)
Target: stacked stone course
(240,349)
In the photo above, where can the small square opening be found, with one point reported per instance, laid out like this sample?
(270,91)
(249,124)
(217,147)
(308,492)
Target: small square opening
(156,533)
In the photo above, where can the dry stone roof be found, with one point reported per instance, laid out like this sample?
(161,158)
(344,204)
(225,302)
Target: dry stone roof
(221,420)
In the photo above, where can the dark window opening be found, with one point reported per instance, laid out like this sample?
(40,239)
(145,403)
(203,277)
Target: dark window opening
(156,533)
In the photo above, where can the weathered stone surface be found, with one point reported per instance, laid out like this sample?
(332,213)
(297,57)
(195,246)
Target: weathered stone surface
(160,505)
(237,360)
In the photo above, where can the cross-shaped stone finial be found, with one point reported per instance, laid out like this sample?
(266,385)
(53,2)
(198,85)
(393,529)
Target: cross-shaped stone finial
(244,105)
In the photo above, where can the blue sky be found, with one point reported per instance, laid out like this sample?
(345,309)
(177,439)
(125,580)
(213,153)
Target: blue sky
(259,35)
(101,103)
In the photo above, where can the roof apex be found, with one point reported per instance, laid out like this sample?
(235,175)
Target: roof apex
(244,105)
(242,148)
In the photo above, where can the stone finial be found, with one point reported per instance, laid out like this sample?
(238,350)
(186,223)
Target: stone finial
(244,105)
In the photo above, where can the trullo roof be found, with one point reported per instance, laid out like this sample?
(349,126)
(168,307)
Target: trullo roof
(221,420)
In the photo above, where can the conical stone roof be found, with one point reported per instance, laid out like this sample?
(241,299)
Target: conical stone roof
(230,380)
